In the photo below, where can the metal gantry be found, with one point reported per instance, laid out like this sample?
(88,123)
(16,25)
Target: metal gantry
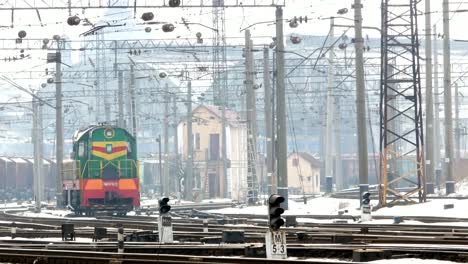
(220,79)
(401,127)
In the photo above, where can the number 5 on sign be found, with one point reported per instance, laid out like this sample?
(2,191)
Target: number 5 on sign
(275,243)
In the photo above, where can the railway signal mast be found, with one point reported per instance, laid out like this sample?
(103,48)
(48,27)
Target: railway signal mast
(366,207)
(165,222)
(275,239)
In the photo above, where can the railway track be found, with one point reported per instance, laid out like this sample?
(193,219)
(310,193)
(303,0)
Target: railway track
(337,240)
(39,256)
(192,230)
(227,253)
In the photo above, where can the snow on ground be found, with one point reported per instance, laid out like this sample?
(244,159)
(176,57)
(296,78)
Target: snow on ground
(146,202)
(48,239)
(430,208)
(317,206)
(332,206)
(48,213)
(461,188)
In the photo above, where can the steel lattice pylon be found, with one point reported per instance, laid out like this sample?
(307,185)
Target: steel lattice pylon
(401,127)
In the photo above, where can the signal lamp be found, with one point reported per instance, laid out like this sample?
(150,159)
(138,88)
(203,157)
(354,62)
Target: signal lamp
(274,211)
(366,198)
(164,208)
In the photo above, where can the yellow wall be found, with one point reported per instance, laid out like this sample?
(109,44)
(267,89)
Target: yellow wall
(206,123)
(310,176)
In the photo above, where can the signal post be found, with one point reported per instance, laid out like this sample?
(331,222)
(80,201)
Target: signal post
(165,233)
(275,239)
(366,207)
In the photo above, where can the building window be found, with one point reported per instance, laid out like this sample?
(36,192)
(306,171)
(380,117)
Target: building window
(197,141)
(214,147)
(295,162)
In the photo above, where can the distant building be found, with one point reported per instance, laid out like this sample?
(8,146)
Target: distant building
(303,173)
(209,179)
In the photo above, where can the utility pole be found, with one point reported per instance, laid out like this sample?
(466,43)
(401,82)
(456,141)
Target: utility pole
(430,169)
(282,141)
(449,183)
(252,184)
(329,113)
(59,125)
(438,135)
(268,119)
(338,162)
(167,180)
(360,99)
(176,141)
(132,101)
(224,140)
(274,179)
(457,123)
(37,140)
(188,182)
(40,139)
(121,122)
(36,154)
(162,187)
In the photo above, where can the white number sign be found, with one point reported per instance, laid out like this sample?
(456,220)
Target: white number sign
(275,242)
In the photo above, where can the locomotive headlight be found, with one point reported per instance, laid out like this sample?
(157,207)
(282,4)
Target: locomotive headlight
(109,132)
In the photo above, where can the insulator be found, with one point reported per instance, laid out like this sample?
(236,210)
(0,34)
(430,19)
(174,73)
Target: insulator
(168,27)
(22,34)
(147,16)
(293,24)
(43,85)
(174,3)
(342,46)
(45,41)
(342,11)
(50,80)
(147,29)
(295,39)
(162,75)
(73,21)
(198,35)
(56,37)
